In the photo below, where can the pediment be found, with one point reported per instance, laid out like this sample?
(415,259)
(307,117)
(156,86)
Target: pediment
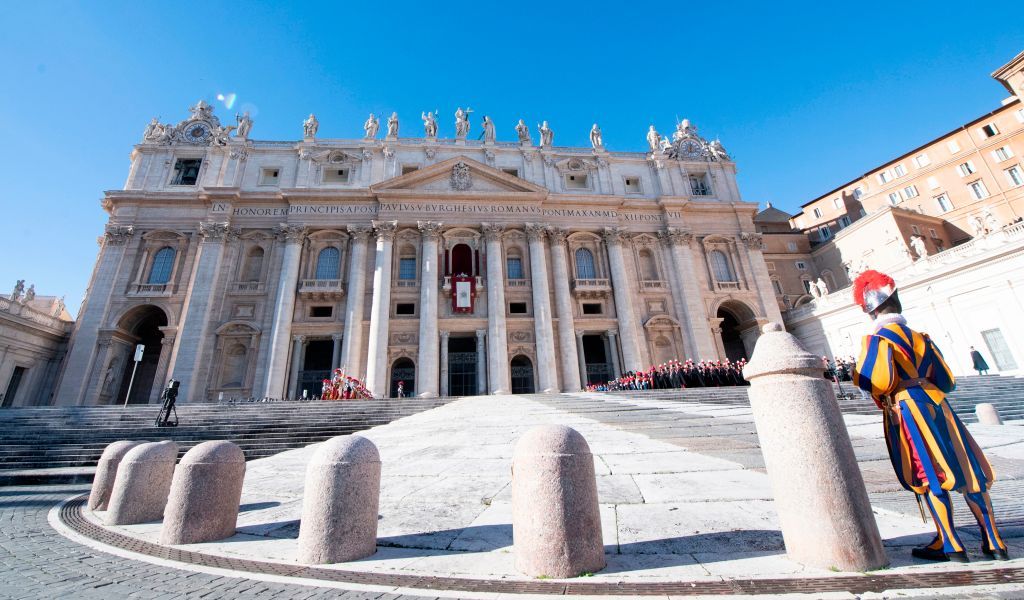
(457,176)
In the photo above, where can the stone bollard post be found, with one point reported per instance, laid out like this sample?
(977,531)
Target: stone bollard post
(142,482)
(340,502)
(106,472)
(556,522)
(207,487)
(987,414)
(819,493)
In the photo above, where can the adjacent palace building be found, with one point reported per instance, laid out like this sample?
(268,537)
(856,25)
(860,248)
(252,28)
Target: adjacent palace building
(459,266)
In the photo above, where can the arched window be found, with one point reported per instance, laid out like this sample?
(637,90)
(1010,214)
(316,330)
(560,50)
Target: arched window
(585,264)
(720,266)
(327,263)
(253,264)
(648,267)
(234,366)
(514,264)
(163,263)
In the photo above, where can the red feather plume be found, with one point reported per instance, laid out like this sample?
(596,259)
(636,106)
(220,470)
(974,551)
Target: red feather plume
(870,280)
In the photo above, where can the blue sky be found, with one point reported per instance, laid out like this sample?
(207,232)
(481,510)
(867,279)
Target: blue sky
(804,96)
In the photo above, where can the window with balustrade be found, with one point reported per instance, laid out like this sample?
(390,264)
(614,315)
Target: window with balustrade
(514,266)
(585,268)
(252,269)
(648,265)
(163,264)
(407,268)
(328,263)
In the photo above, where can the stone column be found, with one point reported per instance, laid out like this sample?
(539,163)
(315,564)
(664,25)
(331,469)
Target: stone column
(497,335)
(547,371)
(427,363)
(819,493)
(690,294)
(631,355)
(581,358)
(352,345)
(284,309)
(481,362)
(82,348)
(760,279)
(336,351)
(298,357)
(613,347)
(570,358)
(444,363)
(160,376)
(197,313)
(380,312)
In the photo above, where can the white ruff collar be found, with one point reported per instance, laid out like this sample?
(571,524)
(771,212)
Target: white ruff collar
(888,319)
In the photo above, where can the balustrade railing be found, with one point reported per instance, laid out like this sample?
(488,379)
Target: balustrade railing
(727,285)
(27,312)
(151,289)
(517,282)
(653,284)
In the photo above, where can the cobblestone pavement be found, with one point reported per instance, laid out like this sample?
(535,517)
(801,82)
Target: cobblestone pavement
(37,562)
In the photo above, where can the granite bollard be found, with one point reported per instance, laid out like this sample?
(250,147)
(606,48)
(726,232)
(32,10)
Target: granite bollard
(340,502)
(142,482)
(987,414)
(556,522)
(106,472)
(205,492)
(819,493)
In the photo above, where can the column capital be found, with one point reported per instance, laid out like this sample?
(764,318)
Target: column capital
(580,332)
(675,235)
(535,232)
(754,241)
(480,333)
(613,236)
(290,234)
(385,230)
(613,332)
(117,235)
(337,337)
(429,230)
(492,231)
(557,235)
(298,339)
(218,232)
(444,334)
(360,233)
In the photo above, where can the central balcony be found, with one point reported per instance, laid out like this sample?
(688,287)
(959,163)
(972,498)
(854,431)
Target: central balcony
(591,288)
(727,286)
(322,289)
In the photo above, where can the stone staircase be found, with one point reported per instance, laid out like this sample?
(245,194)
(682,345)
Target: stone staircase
(55,438)
(1006,393)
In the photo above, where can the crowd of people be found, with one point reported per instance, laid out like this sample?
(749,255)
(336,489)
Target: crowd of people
(839,370)
(676,374)
(344,387)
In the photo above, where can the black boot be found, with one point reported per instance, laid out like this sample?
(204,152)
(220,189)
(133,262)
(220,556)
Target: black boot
(998,554)
(928,553)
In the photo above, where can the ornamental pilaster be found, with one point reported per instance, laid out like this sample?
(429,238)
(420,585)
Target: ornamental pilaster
(557,235)
(492,231)
(117,235)
(359,233)
(535,232)
(385,230)
(218,232)
(290,234)
(613,235)
(429,230)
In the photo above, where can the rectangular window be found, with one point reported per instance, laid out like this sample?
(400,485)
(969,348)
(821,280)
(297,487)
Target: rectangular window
(321,311)
(894,198)
(699,185)
(953,146)
(915,229)
(824,233)
(405,308)
(335,175)
(999,350)
(933,183)
(900,170)
(978,189)
(884,177)
(922,160)
(186,171)
(1002,154)
(838,203)
(632,185)
(965,169)
(270,176)
(576,181)
(770,265)
(791,246)
(591,308)
(517,308)
(858,192)
(407,269)
(817,213)
(989,130)
(932,232)
(844,221)
(1015,176)
(514,267)
(944,204)
(511,171)
(910,191)
(801,265)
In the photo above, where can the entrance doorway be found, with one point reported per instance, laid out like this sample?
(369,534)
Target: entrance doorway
(316,366)
(403,370)
(598,369)
(737,318)
(143,325)
(462,363)
(12,386)
(522,375)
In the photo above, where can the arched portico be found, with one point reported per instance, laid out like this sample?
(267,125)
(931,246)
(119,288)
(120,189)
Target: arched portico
(146,325)
(738,328)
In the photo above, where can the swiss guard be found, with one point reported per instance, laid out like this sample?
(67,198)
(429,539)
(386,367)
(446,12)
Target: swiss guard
(930,449)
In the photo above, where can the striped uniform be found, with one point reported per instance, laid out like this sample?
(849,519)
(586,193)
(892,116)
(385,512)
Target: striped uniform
(930,449)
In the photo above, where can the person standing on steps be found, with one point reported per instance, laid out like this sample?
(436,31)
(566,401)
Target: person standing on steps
(979,362)
(930,449)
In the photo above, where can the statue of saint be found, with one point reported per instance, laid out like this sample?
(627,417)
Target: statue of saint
(219,135)
(371,126)
(718,151)
(523,132)
(991,223)
(917,243)
(547,137)
(30,293)
(153,131)
(977,225)
(244,125)
(595,137)
(310,126)
(19,289)
(822,288)
(653,139)
(488,126)
(813,289)
(393,125)
(462,123)
(429,124)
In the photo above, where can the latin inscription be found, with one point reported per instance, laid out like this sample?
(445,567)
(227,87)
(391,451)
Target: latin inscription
(489,209)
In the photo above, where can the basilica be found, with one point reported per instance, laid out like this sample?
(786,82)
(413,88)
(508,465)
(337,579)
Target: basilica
(450,266)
